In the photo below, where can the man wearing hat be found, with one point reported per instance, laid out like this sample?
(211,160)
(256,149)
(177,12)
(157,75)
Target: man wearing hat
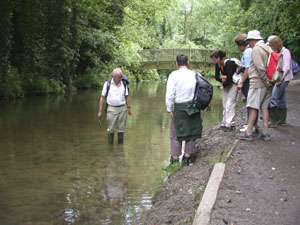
(260,90)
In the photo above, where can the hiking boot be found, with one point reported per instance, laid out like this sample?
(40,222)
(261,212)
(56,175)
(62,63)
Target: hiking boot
(265,137)
(244,136)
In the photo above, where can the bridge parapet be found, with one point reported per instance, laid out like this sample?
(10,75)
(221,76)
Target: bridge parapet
(165,58)
(197,55)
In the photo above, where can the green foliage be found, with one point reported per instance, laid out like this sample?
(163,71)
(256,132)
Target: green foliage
(40,85)
(11,86)
(65,43)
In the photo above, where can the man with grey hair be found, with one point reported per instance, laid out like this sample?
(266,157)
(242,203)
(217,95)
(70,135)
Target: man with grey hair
(116,93)
(260,90)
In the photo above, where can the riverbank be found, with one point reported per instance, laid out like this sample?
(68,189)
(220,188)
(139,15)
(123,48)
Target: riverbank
(178,199)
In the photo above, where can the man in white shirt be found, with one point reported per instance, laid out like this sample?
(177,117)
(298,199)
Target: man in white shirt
(186,123)
(116,93)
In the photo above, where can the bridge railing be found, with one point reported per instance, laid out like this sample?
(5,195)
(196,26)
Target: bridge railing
(169,55)
(166,58)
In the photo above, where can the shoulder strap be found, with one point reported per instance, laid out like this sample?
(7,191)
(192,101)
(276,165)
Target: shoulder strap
(125,86)
(108,87)
(266,48)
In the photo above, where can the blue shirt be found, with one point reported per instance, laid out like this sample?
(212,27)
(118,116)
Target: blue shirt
(246,58)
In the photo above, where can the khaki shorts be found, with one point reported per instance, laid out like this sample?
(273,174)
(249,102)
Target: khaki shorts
(116,119)
(259,98)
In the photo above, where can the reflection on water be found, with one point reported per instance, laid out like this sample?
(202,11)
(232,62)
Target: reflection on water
(56,166)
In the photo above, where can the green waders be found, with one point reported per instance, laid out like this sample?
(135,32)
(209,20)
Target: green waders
(274,117)
(282,113)
(120,138)
(110,138)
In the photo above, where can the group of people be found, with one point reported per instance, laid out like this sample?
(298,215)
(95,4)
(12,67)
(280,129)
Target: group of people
(260,94)
(186,121)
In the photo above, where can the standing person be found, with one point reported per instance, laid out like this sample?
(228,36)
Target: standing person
(224,70)
(243,85)
(116,93)
(260,89)
(186,122)
(278,106)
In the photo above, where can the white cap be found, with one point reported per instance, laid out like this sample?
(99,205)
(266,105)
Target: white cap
(254,34)
(270,38)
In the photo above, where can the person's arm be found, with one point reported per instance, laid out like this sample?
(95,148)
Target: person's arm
(101,101)
(170,93)
(287,62)
(244,78)
(128,105)
(229,70)
(217,73)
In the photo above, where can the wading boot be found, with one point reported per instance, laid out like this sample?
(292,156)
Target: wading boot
(110,138)
(274,117)
(282,116)
(120,138)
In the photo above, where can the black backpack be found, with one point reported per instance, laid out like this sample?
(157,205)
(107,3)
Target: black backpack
(203,93)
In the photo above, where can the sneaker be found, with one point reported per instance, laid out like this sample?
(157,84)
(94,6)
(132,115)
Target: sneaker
(244,136)
(265,137)
(255,129)
(221,128)
(227,129)
(244,129)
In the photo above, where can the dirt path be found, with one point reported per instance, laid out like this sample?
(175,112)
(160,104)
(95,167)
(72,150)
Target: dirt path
(261,183)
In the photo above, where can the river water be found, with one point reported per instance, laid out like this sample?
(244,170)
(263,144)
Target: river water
(56,166)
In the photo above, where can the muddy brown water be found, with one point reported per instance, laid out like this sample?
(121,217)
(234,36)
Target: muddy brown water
(56,166)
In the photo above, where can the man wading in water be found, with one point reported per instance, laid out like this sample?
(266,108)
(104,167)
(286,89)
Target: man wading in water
(117,98)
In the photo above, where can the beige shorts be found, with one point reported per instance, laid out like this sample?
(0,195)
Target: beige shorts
(259,98)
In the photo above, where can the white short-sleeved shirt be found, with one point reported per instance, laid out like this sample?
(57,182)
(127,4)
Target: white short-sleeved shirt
(116,94)
(180,87)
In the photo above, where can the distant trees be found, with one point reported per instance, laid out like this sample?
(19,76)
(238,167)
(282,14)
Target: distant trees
(51,46)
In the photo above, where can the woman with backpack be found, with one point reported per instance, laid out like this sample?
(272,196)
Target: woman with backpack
(278,106)
(224,70)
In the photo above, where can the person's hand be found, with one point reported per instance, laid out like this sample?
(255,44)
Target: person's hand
(223,77)
(278,83)
(240,85)
(129,111)
(172,114)
(99,115)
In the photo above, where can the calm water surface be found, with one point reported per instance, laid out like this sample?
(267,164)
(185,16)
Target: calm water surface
(56,166)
